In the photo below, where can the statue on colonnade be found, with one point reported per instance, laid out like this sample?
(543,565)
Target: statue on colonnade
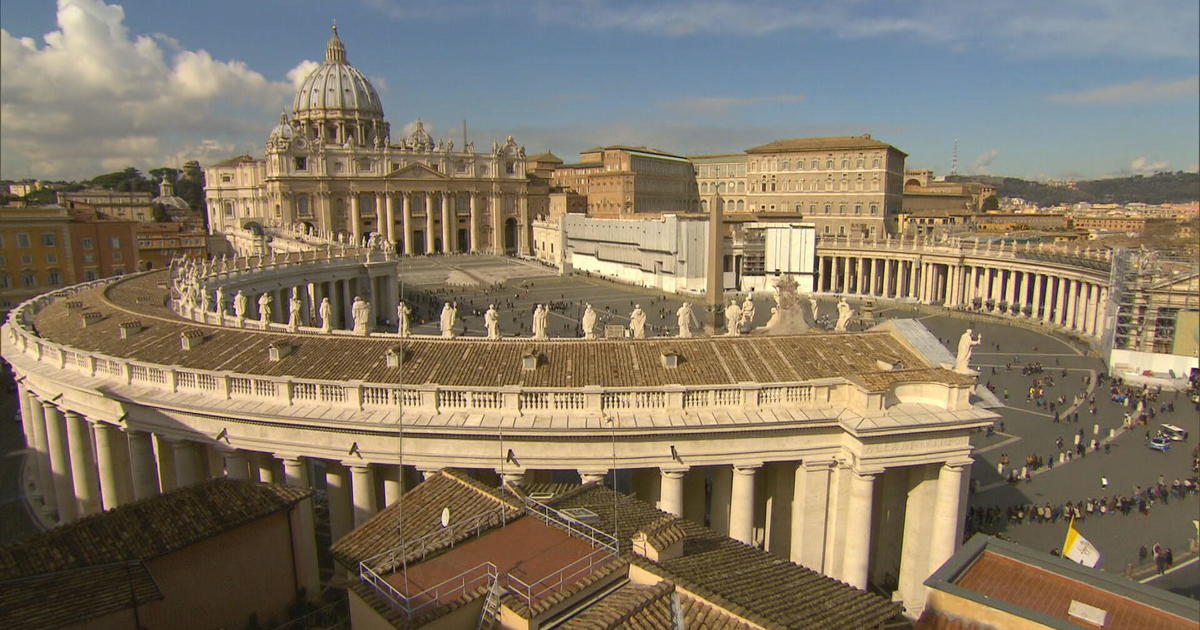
(541,319)
(845,313)
(491,321)
(447,320)
(239,308)
(637,322)
(325,311)
(403,312)
(588,321)
(684,317)
(733,319)
(966,344)
(361,312)
(264,309)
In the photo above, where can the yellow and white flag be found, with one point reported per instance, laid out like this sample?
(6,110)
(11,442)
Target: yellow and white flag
(1078,548)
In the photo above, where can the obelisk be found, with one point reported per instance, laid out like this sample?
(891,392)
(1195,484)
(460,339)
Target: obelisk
(715,289)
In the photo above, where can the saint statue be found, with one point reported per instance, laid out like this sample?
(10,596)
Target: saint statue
(239,307)
(449,315)
(589,322)
(541,318)
(684,317)
(325,311)
(966,343)
(361,312)
(637,322)
(204,297)
(491,321)
(733,318)
(844,315)
(748,311)
(294,308)
(403,311)
(222,304)
(812,303)
(264,309)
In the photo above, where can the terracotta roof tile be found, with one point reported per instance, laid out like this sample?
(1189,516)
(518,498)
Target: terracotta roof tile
(72,596)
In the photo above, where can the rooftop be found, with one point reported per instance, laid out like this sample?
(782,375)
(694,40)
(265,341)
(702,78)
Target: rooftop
(829,143)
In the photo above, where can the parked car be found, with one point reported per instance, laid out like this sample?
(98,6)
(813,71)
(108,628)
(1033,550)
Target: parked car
(1173,433)
(1160,444)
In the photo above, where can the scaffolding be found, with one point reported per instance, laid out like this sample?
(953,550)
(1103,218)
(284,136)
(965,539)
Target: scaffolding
(1150,289)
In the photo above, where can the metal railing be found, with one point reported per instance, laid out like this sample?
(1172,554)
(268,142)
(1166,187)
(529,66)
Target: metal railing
(573,527)
(556,580)
(441,538)
(480,575)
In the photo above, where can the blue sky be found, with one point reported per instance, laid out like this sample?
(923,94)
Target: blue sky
(1029,88)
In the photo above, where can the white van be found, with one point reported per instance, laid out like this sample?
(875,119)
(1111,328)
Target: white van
(1173,433)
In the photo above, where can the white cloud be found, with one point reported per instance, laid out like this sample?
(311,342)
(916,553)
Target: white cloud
(94,97)
(297,75)
(1146,90)
(1143,166)
(984,161)
(714,105)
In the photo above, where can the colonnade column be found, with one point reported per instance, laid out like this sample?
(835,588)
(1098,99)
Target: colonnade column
(143,467)
(1035,300)
(945,533)
(474,223)
(341,519)
(1010,291)
(857,553)
(845,274)
(1060,294)
(429,249)
(810,505)
(670,493)
(189,469)
(294,473)
(237,465)
(406,223)
(60,463)
(83,465)
(113,463)
(1023,294)
(447,226)
(912,289)
(741,504)
(1101,299)
(1072,303)
(363,487)
(390,219)
(45,478)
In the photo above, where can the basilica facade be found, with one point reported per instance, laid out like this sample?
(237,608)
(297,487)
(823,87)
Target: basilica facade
(332,169)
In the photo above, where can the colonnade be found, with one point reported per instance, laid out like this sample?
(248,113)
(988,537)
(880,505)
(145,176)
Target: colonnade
(381,290)
(1067,299)
(862,525)
(429,221)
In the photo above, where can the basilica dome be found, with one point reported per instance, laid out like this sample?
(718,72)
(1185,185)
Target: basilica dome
(336,89)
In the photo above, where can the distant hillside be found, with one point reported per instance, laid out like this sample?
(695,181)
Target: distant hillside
(1157,188)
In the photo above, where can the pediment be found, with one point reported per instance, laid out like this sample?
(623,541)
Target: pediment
(417,170)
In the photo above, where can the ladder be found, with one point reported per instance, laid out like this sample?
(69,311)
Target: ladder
(491,604)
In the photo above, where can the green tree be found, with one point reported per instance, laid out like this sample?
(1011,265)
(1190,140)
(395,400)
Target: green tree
(990,204)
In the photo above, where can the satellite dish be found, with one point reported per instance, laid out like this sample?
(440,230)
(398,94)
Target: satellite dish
(445,517)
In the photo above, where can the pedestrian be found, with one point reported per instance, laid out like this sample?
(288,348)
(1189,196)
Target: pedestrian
(1103,481)
(1142,554)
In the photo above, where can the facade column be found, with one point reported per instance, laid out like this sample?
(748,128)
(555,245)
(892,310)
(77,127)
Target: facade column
(406,223)
(112,459)
(523,223)
(429,245)
(356,218)
(810,503)
(389,219)
(393,483)
(45,478)
(473,228)
(845,274)
(857,552)
(1010,291)
(60,463)
(380,224)
(741,504)
(914,545)
(341,518)
(189,469)
(670,492)
(86,484)
(496,208)
(946,527)
(295,472)
(447,224)
(143,468)
(1023,294)
(167,477)
(1060,294)
(1072,303)
(363,487)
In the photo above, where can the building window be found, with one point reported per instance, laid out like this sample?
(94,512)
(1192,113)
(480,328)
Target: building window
(26,259)
(874,208)
(845,164)
(829,164)
(875,163)
(226,178)
(54,277)
(841,230)
(48,239)
(117,255)
(510,168)
(816,165)
(89,275)
(301,164)
(858,208)
(799,208)
(23,239)
(841,208)
(89,258)
(51,259)
(5,281)
(827,229)
(115,242)
(28,279)
(859,163)
(828,208)
(118,271)
(228,209)
(87,243)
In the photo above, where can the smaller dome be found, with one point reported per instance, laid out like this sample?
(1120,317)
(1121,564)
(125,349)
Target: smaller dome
(419,137)
(283,131)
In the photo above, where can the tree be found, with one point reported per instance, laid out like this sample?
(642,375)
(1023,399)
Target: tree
(990,204)
(128,180)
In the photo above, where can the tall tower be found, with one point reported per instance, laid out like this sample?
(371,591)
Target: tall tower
(954,159)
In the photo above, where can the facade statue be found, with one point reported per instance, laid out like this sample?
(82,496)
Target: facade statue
(733,318)
(684,318)
(812,304)
(361,312)
(222,303)
(541,319)
(325,311)
(264,309)
(205,298)
(966,344)
(637,322)
(748,311)
(491,321)
(844,315)
(588,321)
(448,318)
(403,312)
(239,307)
(295,305)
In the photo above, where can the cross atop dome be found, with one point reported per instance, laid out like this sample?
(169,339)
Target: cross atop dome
(335,51)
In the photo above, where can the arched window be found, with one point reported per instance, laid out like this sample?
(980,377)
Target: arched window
(858,208)
(741,205)
(829,164)
(5,280)
(841,230)
(54,277)
(228,208)
(841,208)
(845,164)
(28,279)
(874,208)
(828,208)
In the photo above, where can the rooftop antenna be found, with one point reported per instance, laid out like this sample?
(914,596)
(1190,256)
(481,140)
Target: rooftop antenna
(954,159)
(464,144)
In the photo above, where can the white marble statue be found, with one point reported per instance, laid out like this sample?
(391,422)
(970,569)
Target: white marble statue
(733,318)
(541,319)
(325,311)
(966,344)
(361,312)
(812,303)
(403,312)
(264,309)
(491,321)
(222,303)
(205,298)
(239,307)
(588,321)
(684,318)
(748,311)
(295,305)
(637,322)
(844,315)
(448,318)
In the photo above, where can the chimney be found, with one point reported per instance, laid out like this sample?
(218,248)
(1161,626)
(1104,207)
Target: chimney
(191,338)
(127,329)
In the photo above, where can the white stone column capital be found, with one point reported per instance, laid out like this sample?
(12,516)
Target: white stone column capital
(746,469)
(674,473)
(588,476)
